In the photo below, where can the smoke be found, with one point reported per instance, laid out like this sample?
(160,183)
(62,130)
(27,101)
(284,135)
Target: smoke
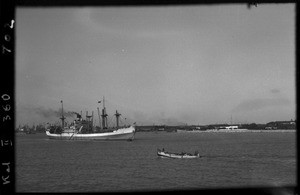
(47,113)
(76,113)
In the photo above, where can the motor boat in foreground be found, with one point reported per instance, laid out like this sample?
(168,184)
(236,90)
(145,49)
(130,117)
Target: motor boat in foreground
(162,153)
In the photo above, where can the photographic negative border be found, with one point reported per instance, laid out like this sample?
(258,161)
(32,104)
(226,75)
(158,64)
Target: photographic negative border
(7,124)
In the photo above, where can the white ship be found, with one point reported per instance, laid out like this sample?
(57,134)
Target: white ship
(83,129)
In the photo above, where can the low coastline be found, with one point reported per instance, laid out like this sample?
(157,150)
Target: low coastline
(238,131)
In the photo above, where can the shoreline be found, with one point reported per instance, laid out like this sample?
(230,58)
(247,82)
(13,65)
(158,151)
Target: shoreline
(239,131)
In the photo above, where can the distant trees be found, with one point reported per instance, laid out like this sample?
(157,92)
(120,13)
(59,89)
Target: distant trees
(253,126)
(270,125)
(210,127)
(282,125)
(40,128)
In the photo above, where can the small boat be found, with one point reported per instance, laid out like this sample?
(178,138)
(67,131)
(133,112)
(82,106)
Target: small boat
(162,153)
(83,129)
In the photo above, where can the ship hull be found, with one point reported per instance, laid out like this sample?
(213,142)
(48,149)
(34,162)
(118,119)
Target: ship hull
(120,134)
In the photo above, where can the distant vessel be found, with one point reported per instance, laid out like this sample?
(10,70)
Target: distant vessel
(83,129)
(162,153)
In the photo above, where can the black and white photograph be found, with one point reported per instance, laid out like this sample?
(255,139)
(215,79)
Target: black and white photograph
(155,98)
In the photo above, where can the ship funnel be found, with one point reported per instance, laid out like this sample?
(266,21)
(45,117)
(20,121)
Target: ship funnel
(62,115)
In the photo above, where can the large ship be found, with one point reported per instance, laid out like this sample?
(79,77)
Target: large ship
(83,129)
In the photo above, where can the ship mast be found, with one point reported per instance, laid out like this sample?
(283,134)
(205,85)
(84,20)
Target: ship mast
(99,117)
(104,116)
(117,118)
(89,119)
(62,115)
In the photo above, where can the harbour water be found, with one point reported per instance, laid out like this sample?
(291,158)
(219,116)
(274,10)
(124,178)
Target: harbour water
(229,160)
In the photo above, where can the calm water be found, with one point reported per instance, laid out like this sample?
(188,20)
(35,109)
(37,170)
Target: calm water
(229,160)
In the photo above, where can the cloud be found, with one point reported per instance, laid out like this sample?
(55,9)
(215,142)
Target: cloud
(130,22)
(256,104)
(274,91)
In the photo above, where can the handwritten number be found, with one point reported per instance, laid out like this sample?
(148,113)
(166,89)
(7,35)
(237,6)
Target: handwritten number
(5,97)
(5,49)
(5,180)
(6,118)
(7,164)
(11,25)
(7,38)
(6,108)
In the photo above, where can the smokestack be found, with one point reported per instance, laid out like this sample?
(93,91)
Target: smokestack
(117,118)
(103,119)
(62,115)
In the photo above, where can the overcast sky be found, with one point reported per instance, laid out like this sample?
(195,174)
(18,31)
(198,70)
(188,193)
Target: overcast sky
(157,65)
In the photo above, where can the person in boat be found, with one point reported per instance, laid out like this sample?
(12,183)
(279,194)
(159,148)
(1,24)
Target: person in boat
(163,150)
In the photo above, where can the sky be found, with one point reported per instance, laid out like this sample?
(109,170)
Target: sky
(170,65)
